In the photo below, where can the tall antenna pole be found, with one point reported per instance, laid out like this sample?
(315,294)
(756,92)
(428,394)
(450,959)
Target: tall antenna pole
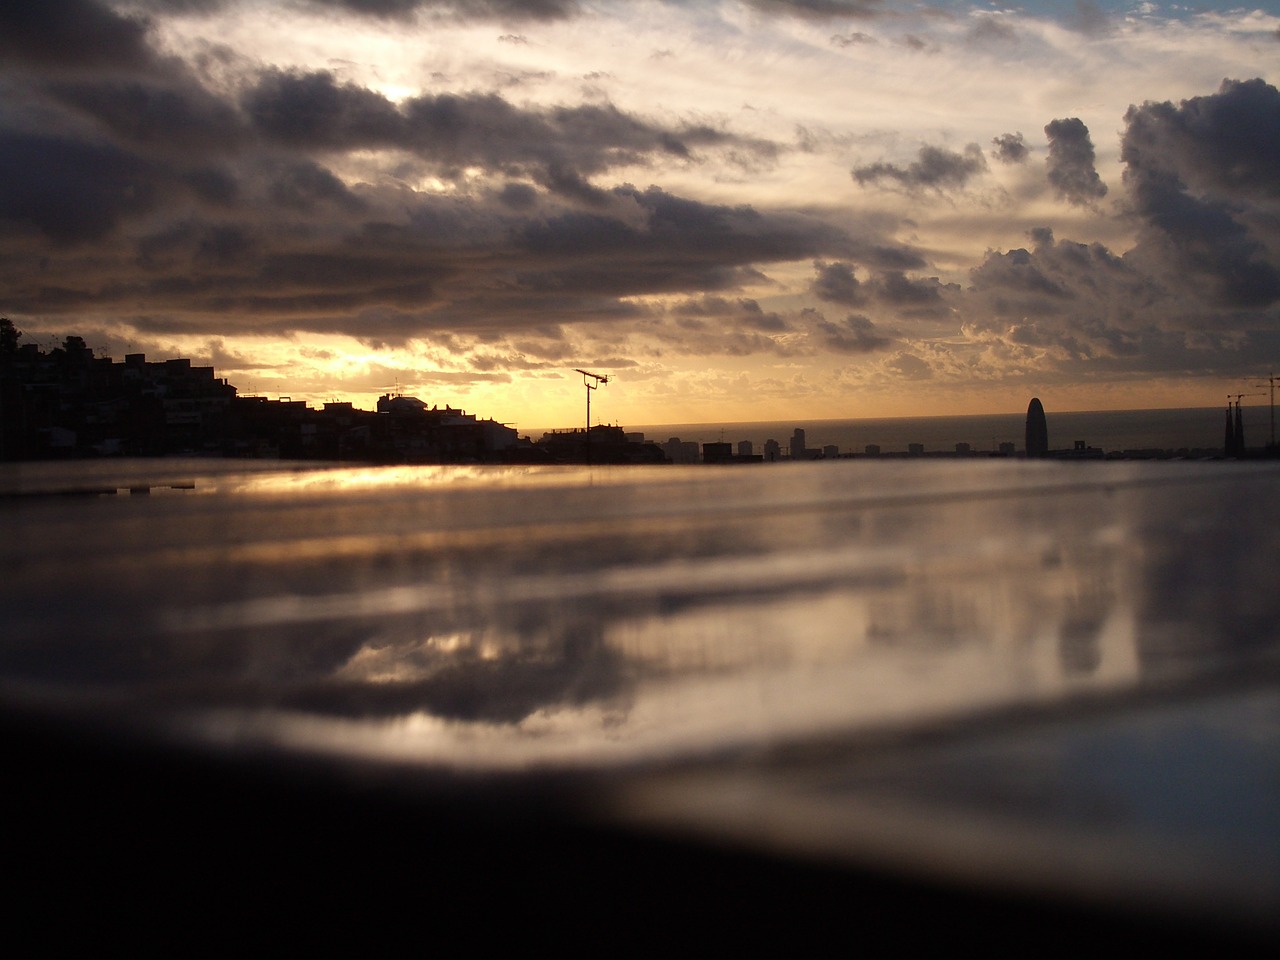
(587,377)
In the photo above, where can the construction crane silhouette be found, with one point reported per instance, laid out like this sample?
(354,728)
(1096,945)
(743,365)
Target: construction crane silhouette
(1237,396)
(587,377)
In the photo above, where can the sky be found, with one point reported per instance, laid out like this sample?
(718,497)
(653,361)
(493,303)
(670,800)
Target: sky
(736,211)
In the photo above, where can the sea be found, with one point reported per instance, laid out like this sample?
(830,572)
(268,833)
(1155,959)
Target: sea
(1195,429)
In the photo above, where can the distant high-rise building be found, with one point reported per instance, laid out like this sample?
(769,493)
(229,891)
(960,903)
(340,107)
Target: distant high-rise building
(745,448)
(1037,430)
(717,452)
(798,449)
(772,450)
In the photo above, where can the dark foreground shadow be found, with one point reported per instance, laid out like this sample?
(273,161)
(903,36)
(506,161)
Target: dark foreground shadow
(122,841)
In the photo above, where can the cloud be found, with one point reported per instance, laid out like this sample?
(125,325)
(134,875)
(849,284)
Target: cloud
(1089,19)
(566,663)
(71,35)
(1070,162)
(855,334)
(1081,311)
(822,9)
(937,168)
(170,114)
(912,297)
(743,312)
(558,145)
(1198,290)
(1225,142)
(190,177)
(229,213)
(992,29)
(514,10)
(837,284)
(908,366)
(298,249)
(852,39)
(1010,148)
(72,190)
(1198,174)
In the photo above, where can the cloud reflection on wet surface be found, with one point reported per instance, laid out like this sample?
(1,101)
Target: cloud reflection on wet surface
(737,620)
(691,609)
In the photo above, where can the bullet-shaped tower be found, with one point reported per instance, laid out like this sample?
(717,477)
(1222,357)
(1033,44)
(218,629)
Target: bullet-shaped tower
(1037,430)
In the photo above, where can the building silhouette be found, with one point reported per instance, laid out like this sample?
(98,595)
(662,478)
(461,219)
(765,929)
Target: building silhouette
(1037,438)
(798,449)
(67,403)
(717,452)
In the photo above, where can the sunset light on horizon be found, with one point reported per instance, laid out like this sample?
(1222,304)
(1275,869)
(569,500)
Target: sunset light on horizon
(738,211)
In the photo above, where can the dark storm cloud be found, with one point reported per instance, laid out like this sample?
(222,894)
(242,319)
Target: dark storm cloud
(460,9)
(210,210)
(71,35)
(1226,142)
(921,297)
(682,236)
(1082,311)
(1199,175)
(302,185)
(885,257)
(1010,148)
(836,283)
(314,111)
(937,168)
(300,250)
(1205,239)
(173,115)
(71,190)
(1198,291)
(854,334)
(1070,162)
(135,189)
(743,312)
(1023,279)
(523,10)
(822,9)
(518,196)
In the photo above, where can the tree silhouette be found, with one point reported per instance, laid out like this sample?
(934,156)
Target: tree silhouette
(9,335)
